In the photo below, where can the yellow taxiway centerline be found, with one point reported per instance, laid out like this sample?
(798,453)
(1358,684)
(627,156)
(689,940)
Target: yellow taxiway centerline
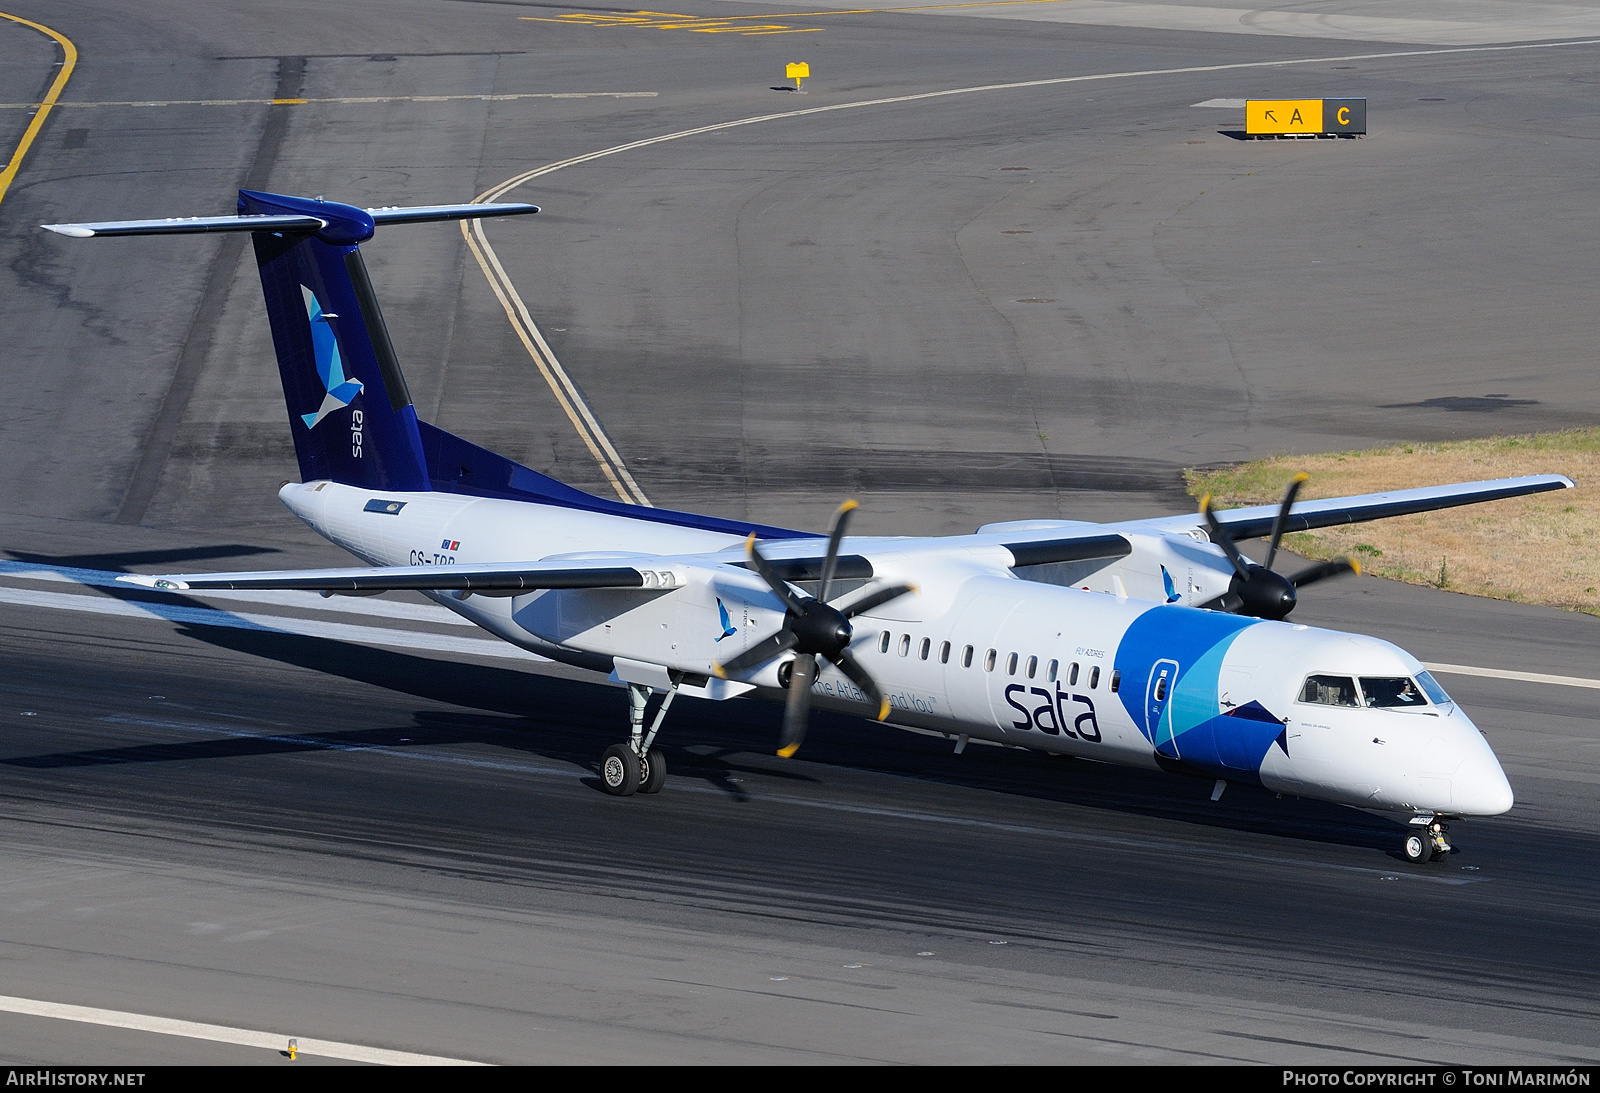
(69,62)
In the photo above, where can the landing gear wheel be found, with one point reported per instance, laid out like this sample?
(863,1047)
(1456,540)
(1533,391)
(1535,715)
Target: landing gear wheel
(1416,848)
(620,771)
(653,771)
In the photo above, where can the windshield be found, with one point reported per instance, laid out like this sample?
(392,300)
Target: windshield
(1431,687)
(1391,692)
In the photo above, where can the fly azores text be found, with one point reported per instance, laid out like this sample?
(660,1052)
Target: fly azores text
(1404,1076)
(1052,715)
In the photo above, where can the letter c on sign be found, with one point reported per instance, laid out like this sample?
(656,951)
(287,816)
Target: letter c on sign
(1344,115)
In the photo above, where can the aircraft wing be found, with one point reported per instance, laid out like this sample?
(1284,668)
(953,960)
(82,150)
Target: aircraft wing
(497,579)
(1250,523)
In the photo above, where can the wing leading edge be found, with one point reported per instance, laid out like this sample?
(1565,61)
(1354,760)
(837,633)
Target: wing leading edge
(1073,541)
(1249,523)
(482,579)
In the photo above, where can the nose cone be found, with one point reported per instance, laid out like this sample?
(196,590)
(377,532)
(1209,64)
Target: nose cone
(1481,788)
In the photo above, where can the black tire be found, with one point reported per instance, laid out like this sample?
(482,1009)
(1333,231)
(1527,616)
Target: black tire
(1416,847)
(619,771)
(653,771)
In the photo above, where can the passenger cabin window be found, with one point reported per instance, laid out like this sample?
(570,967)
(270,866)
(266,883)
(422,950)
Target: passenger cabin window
(883,642)
(1161,689)
(905,644)
(1072,676)
(966,657)
(1050,674)
(944,652)
(927,643)
(988,660)
(1094,677)
(1011,665)
(1033,667)
(1329,691)
(1116,680)
(1391,692)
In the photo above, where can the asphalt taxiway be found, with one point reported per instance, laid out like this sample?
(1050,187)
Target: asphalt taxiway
(335,820)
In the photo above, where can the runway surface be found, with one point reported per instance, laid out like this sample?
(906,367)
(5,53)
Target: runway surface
(344,820)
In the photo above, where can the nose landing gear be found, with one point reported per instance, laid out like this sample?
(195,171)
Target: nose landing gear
(1427,842)
(636,766)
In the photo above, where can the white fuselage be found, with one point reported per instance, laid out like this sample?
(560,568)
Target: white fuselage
(1110,673)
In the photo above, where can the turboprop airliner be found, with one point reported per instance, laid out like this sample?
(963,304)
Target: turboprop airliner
(1149,643)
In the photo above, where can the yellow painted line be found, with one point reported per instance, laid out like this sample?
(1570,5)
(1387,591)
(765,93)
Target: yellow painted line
(68,63)
(919,7)
(223,1034)
(362,100)
(528,331)
(626,19)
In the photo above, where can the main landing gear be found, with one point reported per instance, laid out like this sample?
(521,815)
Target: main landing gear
(636,766)
(1426,841)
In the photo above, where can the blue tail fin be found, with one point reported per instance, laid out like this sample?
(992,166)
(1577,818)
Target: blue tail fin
(349,409)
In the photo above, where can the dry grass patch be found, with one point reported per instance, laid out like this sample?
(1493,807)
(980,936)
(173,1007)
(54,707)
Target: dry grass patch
(1543,549)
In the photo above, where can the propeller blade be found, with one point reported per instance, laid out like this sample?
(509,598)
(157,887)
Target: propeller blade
(759,653)
(851,667)
(778,585)
(1323,570)
(1220,536)
(1228,601)
(868,599)
(797,711)
(835,536)
(1283,515)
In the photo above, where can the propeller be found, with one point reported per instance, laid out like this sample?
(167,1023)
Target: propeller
(812,628)
(1259,590)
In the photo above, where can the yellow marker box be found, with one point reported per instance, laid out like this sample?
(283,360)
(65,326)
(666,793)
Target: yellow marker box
(1305,117)
(1272,117)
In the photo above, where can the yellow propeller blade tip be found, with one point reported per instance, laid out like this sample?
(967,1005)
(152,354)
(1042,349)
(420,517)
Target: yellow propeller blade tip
(1302,476)
(716,670)
(1205,502)
(788,752)
(1355,567)
(847,506)
(750,545)
(883,710)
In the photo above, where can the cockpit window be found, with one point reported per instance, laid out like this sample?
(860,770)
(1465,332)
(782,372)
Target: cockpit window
(1329,691)
(1391,692)
(1431,688)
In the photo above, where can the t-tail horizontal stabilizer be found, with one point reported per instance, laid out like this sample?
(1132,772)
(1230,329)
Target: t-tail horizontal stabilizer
(311,221)
(349,409)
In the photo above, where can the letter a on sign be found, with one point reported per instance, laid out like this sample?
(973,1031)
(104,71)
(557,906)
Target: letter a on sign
(1296,119)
